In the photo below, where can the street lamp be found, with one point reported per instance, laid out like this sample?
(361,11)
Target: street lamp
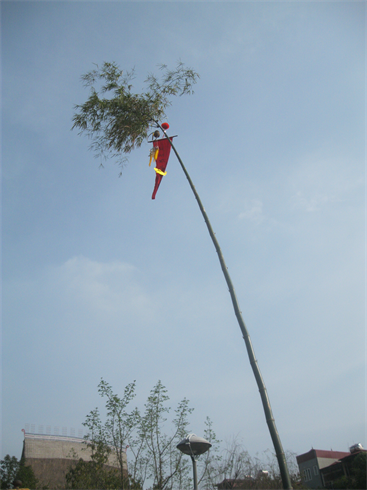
(194,445)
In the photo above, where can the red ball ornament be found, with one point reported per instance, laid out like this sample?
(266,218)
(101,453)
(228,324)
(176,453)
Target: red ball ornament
(165,126)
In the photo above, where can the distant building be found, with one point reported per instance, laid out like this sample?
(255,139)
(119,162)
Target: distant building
(319,468)
(312,462)
(340,468)
(244,483)
(237,484)
(50,457)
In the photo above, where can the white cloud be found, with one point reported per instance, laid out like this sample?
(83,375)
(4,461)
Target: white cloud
(104,286)
(308,203)
(318,180)
(253,210)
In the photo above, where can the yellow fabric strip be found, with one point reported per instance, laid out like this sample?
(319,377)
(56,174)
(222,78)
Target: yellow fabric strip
(160,171)
(153,154)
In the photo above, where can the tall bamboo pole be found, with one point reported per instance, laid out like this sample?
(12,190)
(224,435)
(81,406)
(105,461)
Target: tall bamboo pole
(251,354)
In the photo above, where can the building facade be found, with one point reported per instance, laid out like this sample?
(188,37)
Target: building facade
(51,457)
(340,468)
(312,462)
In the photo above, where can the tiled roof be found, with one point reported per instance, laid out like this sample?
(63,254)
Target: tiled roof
(320,453)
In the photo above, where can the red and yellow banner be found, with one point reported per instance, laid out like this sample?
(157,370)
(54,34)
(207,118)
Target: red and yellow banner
(160,152)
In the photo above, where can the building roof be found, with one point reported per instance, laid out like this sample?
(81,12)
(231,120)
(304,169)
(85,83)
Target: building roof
(320,453)
(53,438)
(347,458)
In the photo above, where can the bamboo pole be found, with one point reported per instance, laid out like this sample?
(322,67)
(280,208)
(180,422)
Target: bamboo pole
(251,354)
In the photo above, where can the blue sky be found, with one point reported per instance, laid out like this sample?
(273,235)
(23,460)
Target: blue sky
(100,281)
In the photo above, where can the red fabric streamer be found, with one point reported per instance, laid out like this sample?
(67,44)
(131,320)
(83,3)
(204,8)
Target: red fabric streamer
(162,160)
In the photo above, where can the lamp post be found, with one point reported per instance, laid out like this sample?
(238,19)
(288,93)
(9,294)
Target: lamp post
(194,445)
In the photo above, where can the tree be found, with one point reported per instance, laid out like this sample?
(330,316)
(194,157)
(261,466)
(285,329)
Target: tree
(209,463)
(110,438)
(357,478)
(26,475)
(94,474)
(151,437)
(152,446)
(236,468)
(156,455)
(121,123)
(11,469)
(358,471)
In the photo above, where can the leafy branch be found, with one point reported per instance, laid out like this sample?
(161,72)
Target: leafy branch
(116,119)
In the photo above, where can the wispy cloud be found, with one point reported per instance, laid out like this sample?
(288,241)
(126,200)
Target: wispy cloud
(308,203)
(106,288)
(253,211)
(318,180)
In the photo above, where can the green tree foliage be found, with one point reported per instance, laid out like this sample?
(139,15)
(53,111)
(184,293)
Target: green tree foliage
(359,471)
(26,475)
(150,438)
(358,475)
(210,463)
(118,120)
(119,422)
(94,474)
(155,453)
(342,483)
(11,469)
(152,446)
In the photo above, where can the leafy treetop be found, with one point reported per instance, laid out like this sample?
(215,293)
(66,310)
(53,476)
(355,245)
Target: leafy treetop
(118,120)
